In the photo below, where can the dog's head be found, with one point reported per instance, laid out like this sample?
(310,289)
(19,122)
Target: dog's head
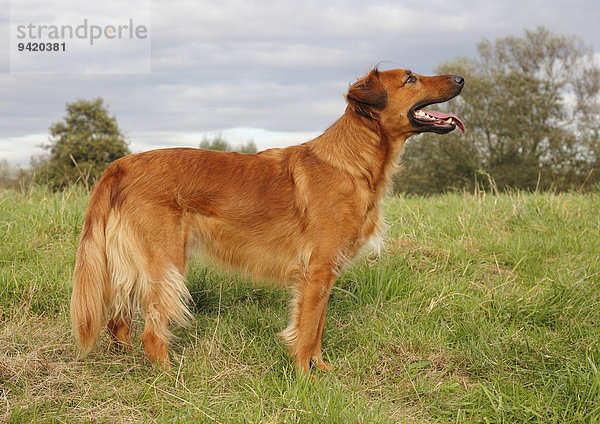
(395,100)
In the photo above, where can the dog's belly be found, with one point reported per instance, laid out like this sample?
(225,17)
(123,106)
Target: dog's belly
(260,250)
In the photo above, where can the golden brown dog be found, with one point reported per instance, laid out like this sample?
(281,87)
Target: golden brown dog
(296,215)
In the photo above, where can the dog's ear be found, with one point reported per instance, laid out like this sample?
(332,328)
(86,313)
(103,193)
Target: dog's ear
(367,96)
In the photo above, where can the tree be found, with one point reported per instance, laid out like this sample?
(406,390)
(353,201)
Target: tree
(7,175)
(82,145)
(217,143)
(531,106)
(220,143)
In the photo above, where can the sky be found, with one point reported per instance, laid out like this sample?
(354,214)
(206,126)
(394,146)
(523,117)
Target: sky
(274,72)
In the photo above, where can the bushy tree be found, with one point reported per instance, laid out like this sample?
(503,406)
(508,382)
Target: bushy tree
(220,143)
(249,147)
(82,145)
(531,107)
(8,175)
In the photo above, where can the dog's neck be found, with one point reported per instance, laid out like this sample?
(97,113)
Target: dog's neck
(358,145)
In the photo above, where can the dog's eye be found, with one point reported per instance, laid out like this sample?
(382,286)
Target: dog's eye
(411,79)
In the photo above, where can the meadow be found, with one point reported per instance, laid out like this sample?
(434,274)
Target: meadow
(480,308)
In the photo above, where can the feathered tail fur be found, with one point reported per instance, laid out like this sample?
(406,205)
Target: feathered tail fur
(90,296)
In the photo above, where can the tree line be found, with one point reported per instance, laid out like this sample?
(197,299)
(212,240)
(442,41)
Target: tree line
(531,107)
(87,141)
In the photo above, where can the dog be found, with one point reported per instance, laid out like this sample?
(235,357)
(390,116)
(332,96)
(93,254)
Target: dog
(295,215)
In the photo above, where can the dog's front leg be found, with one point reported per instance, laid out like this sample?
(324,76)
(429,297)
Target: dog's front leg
(309,305)
(317,354)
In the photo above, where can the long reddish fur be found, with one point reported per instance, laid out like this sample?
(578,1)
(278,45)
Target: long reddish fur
(295,215)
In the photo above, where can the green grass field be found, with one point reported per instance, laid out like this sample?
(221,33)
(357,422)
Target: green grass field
(480,308)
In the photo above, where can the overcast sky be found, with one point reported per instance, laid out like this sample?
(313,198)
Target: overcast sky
(271,71)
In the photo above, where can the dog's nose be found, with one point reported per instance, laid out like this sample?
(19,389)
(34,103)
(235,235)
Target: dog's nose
(458,79)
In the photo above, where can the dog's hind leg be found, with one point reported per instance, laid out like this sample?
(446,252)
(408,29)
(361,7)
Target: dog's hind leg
(147,262)
(119,328)
(166,298)
(164,302)
(156,334)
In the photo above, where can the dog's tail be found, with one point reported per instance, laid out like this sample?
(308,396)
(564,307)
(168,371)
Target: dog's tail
(91,289)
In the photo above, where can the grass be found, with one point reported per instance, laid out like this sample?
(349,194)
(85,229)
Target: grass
(482,309)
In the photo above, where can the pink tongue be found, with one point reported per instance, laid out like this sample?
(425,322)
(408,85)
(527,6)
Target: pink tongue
(444,116)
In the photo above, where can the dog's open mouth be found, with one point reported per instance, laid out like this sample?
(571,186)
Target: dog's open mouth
(437,121)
